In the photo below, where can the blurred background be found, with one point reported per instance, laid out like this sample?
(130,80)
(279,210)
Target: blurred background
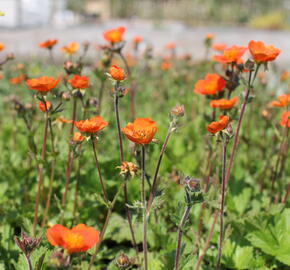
(186,22)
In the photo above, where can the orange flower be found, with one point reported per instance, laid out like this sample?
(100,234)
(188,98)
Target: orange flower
(141,131)
(219,46)
(48,44)
(42,106)
(165,65)
(230,55)
(170,46)
(217,126)
(17,80)
(137,39)
(261,52)
(224,104)
(210,85)
(78,239)
(79,82)
(209,36)
(42,84)
(71,48)
(117,73)
(283,101)
(285,76)
(78,137)
(2,46)
(285,119)
(91,125)
(114,35)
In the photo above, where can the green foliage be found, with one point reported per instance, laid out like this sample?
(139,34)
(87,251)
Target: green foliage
(257,233)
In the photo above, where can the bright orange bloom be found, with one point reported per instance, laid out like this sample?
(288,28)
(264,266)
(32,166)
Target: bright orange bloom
(114,35)
(71,48)
(137,39)
(261,52)
(283,101)
(170,46)
(141,131)
(42,106)
(117,73)
(224,104)
(230,54)
(48,44)
(209,36)
(2,46)
(165,65)
(17,80)
(285,76)
(210,85)
(285,119)
(79,82)
(78,137)
(219,46)
(42,84)
(219,125)
(78,239)
(91,125)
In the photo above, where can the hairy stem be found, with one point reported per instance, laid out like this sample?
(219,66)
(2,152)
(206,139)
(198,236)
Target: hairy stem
(52,173)
(145,220)
(105,194)
(207,243)
(40,173)
(236,140)
(103,232)
(180,232)
(126,200)
(29,262)
(221,236)
(70,159)
(154,184)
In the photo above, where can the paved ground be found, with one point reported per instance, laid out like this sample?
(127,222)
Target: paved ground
(23,42)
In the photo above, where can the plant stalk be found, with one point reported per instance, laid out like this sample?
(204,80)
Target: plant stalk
(40,173)
(223,191)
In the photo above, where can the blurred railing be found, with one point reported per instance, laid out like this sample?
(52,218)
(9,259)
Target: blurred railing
(197,11)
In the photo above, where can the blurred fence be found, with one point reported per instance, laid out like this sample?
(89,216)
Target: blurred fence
(198,11)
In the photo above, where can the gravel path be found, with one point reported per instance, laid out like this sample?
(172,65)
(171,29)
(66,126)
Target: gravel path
(23,42)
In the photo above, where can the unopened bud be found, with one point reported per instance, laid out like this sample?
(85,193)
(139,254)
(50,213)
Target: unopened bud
(10,56)
(27,244)
(178,110)
(66,95)
(192,184)
(250,65)
(123,261)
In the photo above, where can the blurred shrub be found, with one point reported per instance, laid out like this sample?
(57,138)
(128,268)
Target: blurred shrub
(273,20)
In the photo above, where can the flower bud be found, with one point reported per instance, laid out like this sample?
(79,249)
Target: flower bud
(27,244)
(250,65)
(192,184)
(66,96)
(123,261)
(10,56)
(128,168)
(178,110)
